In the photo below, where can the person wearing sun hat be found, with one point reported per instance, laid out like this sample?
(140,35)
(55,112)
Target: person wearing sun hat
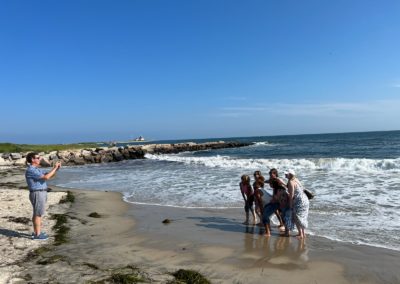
(298,203)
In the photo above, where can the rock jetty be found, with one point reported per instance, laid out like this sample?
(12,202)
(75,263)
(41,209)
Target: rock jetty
(113,154)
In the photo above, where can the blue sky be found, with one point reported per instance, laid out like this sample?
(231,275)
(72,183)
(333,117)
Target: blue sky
(75,71)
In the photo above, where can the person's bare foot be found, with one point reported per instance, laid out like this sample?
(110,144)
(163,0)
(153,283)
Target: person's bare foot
(267,235)
(284,234)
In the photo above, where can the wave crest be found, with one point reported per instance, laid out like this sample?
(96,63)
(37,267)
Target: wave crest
(325,164)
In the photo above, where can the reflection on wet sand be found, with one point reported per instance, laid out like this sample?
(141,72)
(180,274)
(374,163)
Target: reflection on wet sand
(276,251)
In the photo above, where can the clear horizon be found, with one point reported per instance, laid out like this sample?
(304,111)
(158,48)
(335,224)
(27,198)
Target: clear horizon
(214,138)
(74,71)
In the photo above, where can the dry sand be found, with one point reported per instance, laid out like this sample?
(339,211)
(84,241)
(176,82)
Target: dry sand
(15,234)
(213,242)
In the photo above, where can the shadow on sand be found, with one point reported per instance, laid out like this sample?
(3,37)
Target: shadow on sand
(228,225)
(220,223)
(14,234)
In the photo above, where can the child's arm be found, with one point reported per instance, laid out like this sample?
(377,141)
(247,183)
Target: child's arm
(241,191)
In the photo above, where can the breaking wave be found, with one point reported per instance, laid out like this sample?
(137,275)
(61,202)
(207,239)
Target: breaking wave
(326,164)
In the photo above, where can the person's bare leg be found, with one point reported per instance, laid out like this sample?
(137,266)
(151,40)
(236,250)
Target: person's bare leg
(298,228)
(247,219)
(278,215)
(37,223)
(253,212)
(301,234)
(259,218)
(267,230)
(285,233)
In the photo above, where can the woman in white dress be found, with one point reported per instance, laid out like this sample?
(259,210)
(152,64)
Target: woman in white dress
(299,204)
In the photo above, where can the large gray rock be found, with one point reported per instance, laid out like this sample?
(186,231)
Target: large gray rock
(106,158)
(16,156)
(149,148)
(5,162)
(89,158)
(20,162)
(6,156)
(86,153)
(45,163)
(97,158)
(117,156)
(77,161)
(112,154)
(125,153)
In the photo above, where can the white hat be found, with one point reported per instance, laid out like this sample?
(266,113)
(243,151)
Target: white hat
(291,172)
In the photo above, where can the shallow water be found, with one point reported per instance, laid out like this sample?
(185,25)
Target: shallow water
(356,178)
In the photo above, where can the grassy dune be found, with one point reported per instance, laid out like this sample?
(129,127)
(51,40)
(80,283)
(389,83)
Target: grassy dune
(15,148)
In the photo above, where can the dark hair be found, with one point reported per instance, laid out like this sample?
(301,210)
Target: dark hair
(258,183)
(273,171)
(30,157)
(258,173)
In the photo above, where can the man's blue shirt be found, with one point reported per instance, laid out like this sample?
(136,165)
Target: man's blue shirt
(33,178)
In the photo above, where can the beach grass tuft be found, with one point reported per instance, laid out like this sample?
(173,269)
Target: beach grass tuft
(188,277)
(36,253)
(122,278)
(61,231)
(124,275)
(70,197)
(21,220)
(94,215)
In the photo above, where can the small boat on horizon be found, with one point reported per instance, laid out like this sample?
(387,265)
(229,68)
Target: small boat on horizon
(139,139)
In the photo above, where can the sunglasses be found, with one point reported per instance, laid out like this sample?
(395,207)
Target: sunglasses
(37,158)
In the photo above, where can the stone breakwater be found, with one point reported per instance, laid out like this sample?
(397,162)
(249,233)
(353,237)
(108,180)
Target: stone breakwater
(112,154)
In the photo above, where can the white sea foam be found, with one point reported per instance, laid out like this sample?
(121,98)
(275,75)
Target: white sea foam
(264,144)
(261,143)
(331,164)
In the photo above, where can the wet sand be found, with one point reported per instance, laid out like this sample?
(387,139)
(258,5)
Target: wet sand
(213,242)
(219,245)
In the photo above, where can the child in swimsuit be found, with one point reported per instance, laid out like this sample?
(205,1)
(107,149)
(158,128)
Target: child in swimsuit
(248,197)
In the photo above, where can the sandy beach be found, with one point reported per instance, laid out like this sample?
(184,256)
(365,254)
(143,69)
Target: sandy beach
(16,224)
(212,242)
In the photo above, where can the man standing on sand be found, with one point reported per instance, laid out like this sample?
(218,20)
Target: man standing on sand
(36,180)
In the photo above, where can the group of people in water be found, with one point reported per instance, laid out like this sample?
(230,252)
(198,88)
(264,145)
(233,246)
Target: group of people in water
(288,202)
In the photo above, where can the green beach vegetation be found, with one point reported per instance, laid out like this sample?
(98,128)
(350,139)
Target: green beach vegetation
(17,148)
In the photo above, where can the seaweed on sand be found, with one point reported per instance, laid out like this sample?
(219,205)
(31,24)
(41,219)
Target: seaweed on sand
(61,231)
(125,275)
(68,198)
(94,215)
(189,277)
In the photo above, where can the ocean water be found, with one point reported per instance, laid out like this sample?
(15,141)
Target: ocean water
(356,178)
